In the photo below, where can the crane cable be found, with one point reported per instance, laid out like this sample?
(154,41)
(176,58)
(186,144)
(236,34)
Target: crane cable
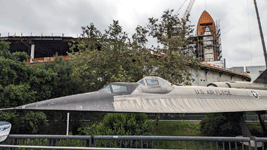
(180,7)
(251,57)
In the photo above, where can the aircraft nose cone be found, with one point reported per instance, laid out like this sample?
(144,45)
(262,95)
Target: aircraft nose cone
(92,101)
(5,128)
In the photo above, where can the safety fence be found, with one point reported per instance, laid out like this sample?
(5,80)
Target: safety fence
(23,142)
(198,117)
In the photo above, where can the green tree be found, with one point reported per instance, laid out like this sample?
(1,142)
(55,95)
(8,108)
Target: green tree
(116,60)
(172,35)
(65,82)
(221,124)
(21,84)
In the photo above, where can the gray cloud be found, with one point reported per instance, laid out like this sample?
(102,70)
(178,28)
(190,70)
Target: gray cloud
(241,43)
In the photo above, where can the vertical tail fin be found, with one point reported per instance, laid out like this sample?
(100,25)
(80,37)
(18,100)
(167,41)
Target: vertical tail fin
(262,78)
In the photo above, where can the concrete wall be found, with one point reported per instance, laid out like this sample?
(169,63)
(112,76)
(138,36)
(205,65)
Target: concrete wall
(204,76)
(254,71)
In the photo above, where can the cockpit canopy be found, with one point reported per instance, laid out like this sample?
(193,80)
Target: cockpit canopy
(120,88)
(152,84)
(149,84)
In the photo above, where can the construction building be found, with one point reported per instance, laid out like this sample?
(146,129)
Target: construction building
(208,38)
(39,46)
(207,42)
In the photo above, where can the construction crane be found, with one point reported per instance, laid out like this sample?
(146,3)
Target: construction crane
(188,9)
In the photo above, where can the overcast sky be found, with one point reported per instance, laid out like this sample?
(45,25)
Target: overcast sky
(241,43)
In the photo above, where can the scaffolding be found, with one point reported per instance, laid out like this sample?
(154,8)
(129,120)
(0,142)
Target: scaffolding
(208,39)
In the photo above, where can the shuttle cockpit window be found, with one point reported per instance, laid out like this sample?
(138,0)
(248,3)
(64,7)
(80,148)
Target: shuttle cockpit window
(142,82)
(119,88)
(151,82)
(112,88)
(106,89)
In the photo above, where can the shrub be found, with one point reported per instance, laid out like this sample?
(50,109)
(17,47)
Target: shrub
(124,124)
(221,124)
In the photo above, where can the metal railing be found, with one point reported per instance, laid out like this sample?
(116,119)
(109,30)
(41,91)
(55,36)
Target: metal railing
(14,34)
(17,142)
(247,117)
(171,142)
(49,140)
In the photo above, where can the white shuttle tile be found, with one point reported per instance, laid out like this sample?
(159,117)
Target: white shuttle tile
(156,105)
(187,105)
(163,104)
(221,104)
(160,105)
(174,105)
(176,102)
(238,104)
(234,103)
(152,105)
(229,103)
(170,106)
(256,101)
(214,105)
(200,103)
(209,102)
(119,104)
(182,104)
(246,104)
(146,107)
(138,104)
(218,104)
(195,105)
(255,104)
(251,104)
(206,105)
(132,105)
(242,103)
(126,105)
(225,105)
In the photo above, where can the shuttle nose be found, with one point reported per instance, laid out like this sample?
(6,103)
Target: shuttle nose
(92,101)
(5,128)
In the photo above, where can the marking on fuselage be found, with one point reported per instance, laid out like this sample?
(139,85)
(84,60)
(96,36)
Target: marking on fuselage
(212,92)
(254,94)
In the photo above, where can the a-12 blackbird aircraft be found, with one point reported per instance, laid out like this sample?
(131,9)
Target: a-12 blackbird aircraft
(156,95)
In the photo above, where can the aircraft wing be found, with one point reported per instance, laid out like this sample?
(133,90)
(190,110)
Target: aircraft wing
(191,99)
(194,100)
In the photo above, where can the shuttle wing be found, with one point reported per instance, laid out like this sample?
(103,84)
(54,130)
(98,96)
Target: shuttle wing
(182,99)
(262,79)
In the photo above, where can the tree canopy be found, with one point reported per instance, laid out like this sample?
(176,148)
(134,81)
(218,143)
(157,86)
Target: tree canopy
(102,58)
(113,56)
(21,84)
